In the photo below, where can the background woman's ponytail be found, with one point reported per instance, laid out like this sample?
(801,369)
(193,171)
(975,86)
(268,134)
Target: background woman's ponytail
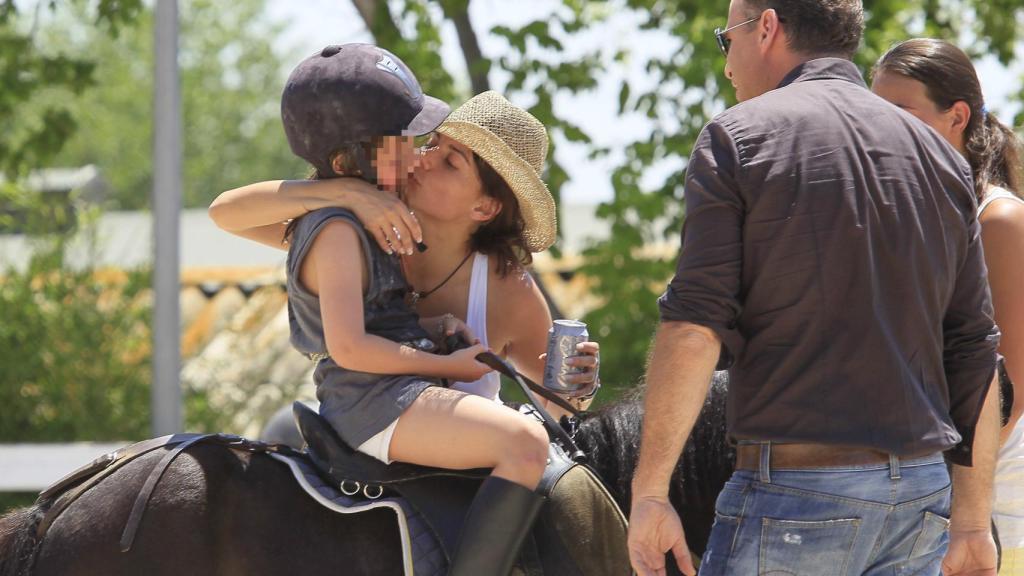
(995,155)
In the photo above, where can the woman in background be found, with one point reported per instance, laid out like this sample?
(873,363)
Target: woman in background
(936,82)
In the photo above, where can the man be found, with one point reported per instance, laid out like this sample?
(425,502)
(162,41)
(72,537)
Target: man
(831,260)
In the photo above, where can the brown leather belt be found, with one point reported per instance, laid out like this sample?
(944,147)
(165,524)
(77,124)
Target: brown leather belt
(799,456)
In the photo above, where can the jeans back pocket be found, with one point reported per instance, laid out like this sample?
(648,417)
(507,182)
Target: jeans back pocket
(715,561)
(929,546)
(821,548)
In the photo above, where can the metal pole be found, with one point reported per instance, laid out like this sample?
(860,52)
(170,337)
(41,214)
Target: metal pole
(167,165)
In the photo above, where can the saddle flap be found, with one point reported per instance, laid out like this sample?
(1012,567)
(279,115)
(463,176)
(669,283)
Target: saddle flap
(340,463)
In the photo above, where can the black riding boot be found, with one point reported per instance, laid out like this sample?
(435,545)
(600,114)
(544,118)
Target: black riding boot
(496,525)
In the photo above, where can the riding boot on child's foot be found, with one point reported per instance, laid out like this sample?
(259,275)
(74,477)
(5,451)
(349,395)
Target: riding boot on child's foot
(496,525)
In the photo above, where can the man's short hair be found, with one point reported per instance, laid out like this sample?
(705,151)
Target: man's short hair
(818,27)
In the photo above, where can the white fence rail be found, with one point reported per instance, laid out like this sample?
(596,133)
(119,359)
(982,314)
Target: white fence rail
(33,467)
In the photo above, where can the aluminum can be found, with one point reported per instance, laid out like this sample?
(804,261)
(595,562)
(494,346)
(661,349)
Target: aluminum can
(563,337)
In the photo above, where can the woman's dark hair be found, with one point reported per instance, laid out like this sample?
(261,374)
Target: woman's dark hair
(502,238)
(993,150)
(817,27)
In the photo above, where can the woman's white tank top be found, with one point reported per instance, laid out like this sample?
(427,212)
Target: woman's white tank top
(476,319)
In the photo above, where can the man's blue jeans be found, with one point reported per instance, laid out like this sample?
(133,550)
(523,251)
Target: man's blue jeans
(872,520)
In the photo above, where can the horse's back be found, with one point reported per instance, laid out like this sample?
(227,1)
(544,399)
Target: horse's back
(220,512)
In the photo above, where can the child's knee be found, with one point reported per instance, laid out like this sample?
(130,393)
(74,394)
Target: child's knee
(528,447)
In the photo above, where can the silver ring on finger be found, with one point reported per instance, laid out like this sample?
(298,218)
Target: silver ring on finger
(397,233)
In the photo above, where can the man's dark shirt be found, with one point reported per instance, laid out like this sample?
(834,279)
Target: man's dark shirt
(832,244)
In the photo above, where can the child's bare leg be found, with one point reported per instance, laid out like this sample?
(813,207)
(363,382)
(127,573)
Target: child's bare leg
(450,429)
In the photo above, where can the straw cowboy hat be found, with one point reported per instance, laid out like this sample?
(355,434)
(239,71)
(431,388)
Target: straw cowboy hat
(515,144)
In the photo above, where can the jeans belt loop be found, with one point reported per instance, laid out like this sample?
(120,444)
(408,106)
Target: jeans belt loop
(894,467)
(764,471)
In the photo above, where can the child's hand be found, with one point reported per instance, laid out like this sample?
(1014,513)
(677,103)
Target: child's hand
(451,326)
(463,366)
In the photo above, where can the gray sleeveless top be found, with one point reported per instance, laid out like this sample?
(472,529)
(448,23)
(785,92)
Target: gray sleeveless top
(357,404)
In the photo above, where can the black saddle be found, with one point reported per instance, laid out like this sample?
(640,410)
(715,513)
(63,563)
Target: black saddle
(441,495)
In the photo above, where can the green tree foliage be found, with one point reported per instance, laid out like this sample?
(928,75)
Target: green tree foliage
(77,88)
(75,341)
(75,351)
(231,80)
(28,69)
(687,88)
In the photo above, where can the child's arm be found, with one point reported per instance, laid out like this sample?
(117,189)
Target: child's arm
(335,254)
(259,211)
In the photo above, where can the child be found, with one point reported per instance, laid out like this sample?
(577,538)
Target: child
(351,110)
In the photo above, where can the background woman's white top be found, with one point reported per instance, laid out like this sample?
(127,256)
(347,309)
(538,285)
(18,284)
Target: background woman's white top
(1008,509)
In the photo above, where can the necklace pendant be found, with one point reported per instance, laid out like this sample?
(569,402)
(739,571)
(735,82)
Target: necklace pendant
(413,297)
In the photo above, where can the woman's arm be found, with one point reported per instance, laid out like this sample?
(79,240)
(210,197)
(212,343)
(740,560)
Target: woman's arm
(1002,236)
(327,271)
(259,211)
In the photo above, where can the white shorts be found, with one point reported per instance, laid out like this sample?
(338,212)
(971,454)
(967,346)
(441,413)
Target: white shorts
(379,444)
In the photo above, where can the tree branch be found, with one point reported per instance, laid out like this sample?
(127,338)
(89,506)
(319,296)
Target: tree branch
(476,65)
(377,16)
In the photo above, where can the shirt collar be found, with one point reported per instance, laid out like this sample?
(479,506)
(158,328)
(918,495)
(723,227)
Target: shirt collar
(824,69)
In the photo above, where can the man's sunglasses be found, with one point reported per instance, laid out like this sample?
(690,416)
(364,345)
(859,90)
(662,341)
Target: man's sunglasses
(723,42)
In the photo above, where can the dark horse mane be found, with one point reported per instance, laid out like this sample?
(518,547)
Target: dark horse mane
(610,436)
(18,540)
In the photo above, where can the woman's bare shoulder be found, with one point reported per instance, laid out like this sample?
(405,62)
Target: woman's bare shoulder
(517,286)
(516,303)
(1003,220)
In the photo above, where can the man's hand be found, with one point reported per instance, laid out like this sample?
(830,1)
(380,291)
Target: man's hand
(971,553)
(654,529)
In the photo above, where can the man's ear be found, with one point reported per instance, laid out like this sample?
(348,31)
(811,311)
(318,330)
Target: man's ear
(768,30)
(959,116)
(486,209)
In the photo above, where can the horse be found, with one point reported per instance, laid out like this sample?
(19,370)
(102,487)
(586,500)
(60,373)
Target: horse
(218,511)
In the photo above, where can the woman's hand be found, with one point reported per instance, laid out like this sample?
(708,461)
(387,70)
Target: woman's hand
(387,218)
(588,361)
(462,365)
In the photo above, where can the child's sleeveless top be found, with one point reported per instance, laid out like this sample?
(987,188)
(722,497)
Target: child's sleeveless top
(357,404)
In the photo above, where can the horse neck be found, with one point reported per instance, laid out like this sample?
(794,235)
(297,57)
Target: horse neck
(611,438)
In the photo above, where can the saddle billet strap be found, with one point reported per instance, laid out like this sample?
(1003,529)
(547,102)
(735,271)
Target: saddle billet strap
(139,508)
(129,452)
(96,471)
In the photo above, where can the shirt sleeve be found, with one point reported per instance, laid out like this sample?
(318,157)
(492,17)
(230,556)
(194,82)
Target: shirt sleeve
(970,342)
(706,286)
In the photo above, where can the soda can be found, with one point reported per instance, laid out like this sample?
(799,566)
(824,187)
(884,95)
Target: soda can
(563,337)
